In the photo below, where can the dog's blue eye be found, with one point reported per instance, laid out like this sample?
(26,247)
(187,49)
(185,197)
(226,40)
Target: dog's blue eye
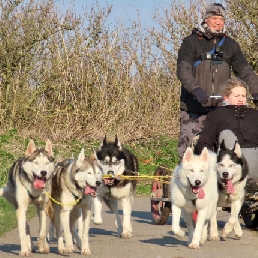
(116,162)
(35,162)
(232,165)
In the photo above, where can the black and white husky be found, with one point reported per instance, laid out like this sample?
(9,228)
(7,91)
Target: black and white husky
(232,173)
(115,161)
(28,178)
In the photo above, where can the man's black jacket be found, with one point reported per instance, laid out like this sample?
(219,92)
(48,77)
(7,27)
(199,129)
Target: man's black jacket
(208,75)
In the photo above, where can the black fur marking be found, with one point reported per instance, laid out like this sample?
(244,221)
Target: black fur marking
(233,156)
(112,149)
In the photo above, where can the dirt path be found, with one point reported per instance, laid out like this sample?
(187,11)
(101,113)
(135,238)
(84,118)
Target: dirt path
(149,241)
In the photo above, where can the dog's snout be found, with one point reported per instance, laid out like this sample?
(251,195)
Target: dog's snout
(98,183)
(110,172)
(197,182)
(43,173)
(225,174)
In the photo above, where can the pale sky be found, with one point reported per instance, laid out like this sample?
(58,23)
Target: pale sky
(125,10)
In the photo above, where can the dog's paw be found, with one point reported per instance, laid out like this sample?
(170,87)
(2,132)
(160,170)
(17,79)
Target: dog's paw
(69,250)
(61,250)
(225,232)
(97,221)
(25,254)
(44,248)
(239,234)
(227,229)
(214,238)
(193,246)
(86,251)
(238,230)
(203,240)
(180,233)
(127,235)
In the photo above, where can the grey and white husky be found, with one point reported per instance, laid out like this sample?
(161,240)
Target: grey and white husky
(28,177)
(74,184)
(115,160)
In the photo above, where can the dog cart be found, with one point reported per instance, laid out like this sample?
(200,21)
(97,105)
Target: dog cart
(249,210)
(160,196)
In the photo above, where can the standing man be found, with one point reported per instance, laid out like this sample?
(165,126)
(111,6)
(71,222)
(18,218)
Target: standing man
(204,64)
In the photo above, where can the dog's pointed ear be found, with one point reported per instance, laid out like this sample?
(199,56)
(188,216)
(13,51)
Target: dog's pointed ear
(205,154)
(188,154)
(237,149)
(48,147)
(93,155)
(117,142)
(222,145)
(30,148)
(80,159)
(104,142)
(59,158)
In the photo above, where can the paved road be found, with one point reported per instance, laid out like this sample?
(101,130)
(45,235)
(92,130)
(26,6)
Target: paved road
(149,241)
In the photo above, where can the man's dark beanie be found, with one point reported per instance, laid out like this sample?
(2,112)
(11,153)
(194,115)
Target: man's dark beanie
(215,9)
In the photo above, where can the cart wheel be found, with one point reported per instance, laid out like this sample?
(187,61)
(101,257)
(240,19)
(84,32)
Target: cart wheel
(251,220)
(160,209)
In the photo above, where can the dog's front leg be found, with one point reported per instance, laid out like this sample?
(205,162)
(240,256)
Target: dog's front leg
(198,229)
(127,204)
(97,210)
(214,234)
(76,216)
(21,218)
(188,218)
(42,243)
(31,245)
(176,214)
(113,206)
(86,215)
(65,219)
(233,221)
(57,224)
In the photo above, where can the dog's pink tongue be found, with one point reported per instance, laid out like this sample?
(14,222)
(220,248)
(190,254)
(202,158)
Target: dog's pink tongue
(39,184)
(230,187)
(89,189)
(201,193)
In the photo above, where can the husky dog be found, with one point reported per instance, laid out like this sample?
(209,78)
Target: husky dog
(28,177)
(115,161)
(74,185)
(232,173)
(194,188)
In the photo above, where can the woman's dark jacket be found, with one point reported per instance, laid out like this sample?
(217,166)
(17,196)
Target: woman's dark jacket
(241,120)
(209,75)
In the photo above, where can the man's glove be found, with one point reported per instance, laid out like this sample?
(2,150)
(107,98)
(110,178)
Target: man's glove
(201,95)
(255,99)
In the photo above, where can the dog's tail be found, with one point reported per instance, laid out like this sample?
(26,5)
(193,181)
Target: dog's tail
(4,191)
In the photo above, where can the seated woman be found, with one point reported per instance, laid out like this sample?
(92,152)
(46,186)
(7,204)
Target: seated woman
(234,121)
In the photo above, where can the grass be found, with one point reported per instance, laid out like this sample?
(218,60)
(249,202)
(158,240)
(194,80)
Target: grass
(150,152)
